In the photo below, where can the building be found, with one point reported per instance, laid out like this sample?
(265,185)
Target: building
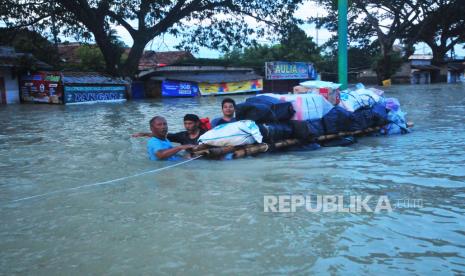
(422,71)
(456,71)
(190,81)
(12,64)
(72,88)
(152,59)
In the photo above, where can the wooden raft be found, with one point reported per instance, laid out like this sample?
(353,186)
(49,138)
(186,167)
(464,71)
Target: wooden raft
(254,149)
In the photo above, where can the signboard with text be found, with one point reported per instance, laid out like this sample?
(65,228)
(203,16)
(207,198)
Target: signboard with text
(81,94)
(41,87)
(171,88)
(231,87)
(279,70)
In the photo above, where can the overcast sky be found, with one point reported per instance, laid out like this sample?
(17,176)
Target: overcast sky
(307,9)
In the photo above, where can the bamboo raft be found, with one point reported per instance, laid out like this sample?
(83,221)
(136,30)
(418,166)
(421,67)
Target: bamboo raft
(254,149)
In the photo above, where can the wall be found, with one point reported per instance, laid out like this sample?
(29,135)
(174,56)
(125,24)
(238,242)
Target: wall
(152,88)
(11,86)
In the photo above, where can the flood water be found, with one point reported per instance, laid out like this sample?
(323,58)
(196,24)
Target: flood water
(207,217)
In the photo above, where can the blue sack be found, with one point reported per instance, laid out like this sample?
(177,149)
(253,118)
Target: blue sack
(366,117)
(337,120)
(307,130)
(275,132)
(264,109)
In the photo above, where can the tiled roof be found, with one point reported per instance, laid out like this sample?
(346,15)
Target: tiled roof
(90,78)
(10,58)
(152,59)
(68,52)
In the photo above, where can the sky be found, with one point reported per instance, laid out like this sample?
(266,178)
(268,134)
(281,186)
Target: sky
(167,42)
(305,10)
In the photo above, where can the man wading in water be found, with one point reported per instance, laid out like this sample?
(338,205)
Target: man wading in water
(159,147)
(188,137)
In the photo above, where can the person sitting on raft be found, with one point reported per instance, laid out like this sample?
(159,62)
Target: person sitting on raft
(188,137)
(228,107)
(159,147)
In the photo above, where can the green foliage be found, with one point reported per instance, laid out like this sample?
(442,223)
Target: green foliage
(295,45)
(224,23)
(386,66)
(26,41)
(91,58)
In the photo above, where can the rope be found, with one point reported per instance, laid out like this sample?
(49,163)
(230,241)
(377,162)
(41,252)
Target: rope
(104,182)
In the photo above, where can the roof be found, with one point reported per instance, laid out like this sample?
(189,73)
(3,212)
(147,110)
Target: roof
(186,70)
(426,67)
(420,57)
(210,77)
(9,58)
(456,66)
(68,53)
(90,78)
(152,59)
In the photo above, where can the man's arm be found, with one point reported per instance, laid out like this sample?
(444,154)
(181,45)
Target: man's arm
(142,134)
(163,154)
(175,137)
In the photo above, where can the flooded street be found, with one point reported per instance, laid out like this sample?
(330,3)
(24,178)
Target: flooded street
(207,217)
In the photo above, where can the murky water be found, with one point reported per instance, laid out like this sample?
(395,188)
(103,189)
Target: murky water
(206,217)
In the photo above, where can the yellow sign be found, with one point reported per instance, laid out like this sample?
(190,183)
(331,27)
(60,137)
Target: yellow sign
(230,87)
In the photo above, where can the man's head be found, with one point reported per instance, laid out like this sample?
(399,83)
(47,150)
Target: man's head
(191,122)
(228,106)
(159,126)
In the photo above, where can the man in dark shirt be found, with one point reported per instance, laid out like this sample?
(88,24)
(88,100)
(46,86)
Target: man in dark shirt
(192,133)
(188,137)
(228,107)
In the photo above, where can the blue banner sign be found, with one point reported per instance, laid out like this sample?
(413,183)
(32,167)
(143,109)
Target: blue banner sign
(82,94)
(279,70)
(171,88)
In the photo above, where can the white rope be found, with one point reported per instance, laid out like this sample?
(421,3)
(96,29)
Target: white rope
(105,182)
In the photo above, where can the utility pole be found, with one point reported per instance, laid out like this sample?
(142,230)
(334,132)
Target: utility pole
(342,42)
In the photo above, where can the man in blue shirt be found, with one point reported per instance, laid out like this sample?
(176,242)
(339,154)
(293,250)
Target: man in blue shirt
(228,106)
(159,147)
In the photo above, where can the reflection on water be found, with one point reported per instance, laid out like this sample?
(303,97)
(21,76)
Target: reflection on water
(207,216)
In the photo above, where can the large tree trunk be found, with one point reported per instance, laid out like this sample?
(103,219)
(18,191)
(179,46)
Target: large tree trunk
(110,52)
(384,64)
(130,67)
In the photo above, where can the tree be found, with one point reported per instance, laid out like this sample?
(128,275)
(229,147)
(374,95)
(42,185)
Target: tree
(294,45)
(91,58)
(27,41)
(441,27)
(384,20)
(217,24)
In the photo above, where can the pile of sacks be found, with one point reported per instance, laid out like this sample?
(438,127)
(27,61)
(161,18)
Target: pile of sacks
(321,111)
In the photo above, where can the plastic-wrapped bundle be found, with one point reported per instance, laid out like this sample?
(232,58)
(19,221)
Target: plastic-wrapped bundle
(307,106)
(232,134)
(264,109)
(397,122)
(329,90)
(355,99)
